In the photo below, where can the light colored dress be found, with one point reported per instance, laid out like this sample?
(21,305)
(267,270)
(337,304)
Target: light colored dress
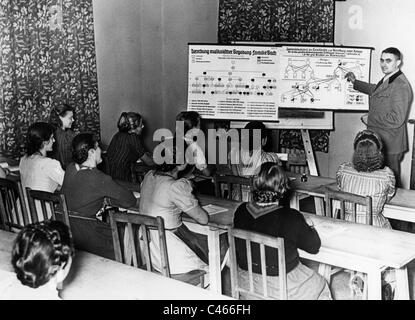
(40,173)
(379,184)
(164,196)
(12,289)
(247,166)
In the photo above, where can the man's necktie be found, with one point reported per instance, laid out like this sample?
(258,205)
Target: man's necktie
(379,83)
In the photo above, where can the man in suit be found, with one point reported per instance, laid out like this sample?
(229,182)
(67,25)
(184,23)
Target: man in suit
(389,103)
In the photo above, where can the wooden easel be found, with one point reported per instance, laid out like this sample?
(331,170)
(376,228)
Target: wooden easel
(308,148)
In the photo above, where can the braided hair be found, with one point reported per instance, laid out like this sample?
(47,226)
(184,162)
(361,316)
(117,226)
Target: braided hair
(40,250)
(368,154)
(270,184)
(81,145)
(128,121)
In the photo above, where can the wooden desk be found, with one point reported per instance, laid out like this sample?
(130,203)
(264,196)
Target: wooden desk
(367,249)
(95,278)
(345,244)
(218,224)
(401,206)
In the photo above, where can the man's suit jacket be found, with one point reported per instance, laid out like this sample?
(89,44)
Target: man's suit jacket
(389,110)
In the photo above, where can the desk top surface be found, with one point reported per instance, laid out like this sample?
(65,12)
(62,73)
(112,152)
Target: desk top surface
(389,247)
(316,185)
(94,277)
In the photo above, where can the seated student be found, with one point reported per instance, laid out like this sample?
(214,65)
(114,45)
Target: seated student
(367,175)
(62,118)
(247,160)
(166,194)
(126,147)
(194,155)
(85,187)
(41,257)
(265,214)
(37,171)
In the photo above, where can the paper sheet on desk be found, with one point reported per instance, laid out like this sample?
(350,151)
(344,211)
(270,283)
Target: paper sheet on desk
(214,209)
(328,230)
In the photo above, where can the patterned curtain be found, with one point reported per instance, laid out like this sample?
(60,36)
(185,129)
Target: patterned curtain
(280,21)
(47,57)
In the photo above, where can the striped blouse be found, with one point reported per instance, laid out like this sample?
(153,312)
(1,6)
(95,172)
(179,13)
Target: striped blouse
(379,184)
(124,149)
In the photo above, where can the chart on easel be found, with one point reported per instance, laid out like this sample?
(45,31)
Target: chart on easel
(313,77)
(237,82)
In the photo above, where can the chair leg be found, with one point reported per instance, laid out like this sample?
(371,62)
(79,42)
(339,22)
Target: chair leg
(325,271)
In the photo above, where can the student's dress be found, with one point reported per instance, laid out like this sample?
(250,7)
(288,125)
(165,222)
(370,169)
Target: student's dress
(124,149)
(302,282)
(379,184)
(12,289)
(248,165)
(164,196)
(62,148)
(40,173)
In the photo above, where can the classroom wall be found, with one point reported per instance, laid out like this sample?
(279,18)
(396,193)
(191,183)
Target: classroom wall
(379,24)
(141,48)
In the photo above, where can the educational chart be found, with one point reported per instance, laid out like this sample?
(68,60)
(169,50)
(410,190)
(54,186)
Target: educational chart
(233,82)
(313,77)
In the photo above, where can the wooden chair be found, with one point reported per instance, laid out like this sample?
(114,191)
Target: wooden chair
(231,182)
(138,171)
(352,200)
(263,240)
(92,235)
(142,258)
(49,202)
(12,205)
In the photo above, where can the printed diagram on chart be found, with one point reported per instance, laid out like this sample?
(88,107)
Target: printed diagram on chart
(233,83)
(307,86)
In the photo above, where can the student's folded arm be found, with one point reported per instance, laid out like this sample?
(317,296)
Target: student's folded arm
(308,238)
(118,195)
(199,214)
(148,160)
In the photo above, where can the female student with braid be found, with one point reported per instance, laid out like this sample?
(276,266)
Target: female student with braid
(126,147)
(41,257)
(87,189)
(265,214)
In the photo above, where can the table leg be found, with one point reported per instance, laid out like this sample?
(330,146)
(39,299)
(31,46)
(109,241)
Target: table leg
(295,201)
(319,205)
(402,285)
(214,260)
(374,285)
(325,271)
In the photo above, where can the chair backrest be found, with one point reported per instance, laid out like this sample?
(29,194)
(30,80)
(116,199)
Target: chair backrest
(127,246)
(231,182)
(349,201)
(263,240)
(13,209)
(138,171)
(92,235)
(47,205)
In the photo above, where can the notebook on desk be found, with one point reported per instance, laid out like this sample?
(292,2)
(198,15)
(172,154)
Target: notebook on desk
(212,209)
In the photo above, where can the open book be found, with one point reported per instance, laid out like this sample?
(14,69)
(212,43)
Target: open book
(214,209)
